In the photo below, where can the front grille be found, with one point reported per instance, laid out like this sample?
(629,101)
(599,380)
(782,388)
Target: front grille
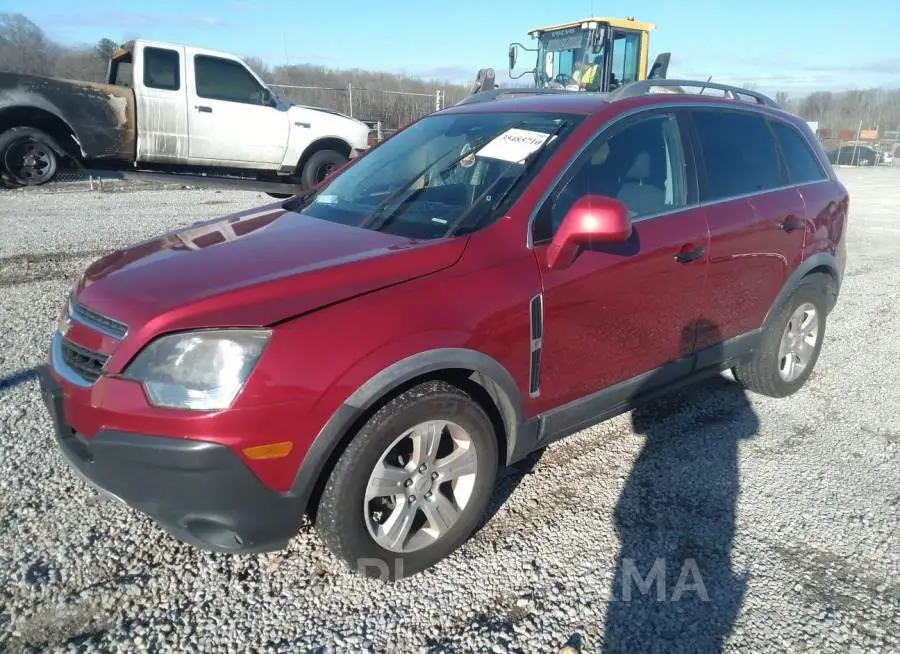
(101,323)
(87,364)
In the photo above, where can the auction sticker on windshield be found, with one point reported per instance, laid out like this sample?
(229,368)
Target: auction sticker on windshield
(514,145)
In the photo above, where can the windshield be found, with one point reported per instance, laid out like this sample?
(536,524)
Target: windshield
(565,55)
(450,173)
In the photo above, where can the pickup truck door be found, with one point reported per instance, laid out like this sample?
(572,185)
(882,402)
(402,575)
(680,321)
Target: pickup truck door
(230,122)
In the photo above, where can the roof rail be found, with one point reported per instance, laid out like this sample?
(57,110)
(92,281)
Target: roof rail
(501,94)
(643,87)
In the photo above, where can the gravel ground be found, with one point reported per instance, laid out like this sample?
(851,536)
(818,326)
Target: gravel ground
(783,514)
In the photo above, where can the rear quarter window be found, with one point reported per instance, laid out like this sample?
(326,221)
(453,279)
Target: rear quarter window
(802,164)
(162,69)
(739,153)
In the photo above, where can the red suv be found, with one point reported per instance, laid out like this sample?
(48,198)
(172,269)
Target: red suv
(492,278)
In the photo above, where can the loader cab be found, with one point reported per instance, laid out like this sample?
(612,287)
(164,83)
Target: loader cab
(595,54)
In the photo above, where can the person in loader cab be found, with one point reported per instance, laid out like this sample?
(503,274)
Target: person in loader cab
(588,78)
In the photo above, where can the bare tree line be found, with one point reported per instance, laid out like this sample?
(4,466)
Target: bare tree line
(25,48)
(393,99)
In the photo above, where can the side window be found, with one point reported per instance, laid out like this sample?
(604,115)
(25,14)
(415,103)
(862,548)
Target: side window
(739,153)
(801,163)
(641,164)
(221,79)
(625,57)
(162,69)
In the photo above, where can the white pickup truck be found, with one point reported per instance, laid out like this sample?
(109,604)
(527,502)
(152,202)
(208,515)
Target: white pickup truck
(169,108)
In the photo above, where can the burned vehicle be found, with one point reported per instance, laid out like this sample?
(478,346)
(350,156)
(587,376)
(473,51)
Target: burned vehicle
(169,108)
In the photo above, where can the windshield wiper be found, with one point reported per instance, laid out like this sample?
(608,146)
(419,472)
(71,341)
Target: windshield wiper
(529,161)
(369,221)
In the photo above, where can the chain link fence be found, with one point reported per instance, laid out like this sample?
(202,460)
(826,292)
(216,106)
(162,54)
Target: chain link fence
(392,108)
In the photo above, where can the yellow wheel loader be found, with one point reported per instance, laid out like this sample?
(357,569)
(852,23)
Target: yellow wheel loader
(594,54)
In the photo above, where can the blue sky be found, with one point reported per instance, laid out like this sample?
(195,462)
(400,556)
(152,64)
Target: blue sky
(791,45)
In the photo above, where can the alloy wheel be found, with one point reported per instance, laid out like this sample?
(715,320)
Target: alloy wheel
(798,343)
(421,484)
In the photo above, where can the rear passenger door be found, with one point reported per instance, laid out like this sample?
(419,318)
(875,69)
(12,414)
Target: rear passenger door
(162,129)
(807,174)
(756,219)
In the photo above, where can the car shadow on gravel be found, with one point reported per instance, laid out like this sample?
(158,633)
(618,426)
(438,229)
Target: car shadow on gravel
(8,382)
(673,587)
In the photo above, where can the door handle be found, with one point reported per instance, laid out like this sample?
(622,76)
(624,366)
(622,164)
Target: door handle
(689,255)
(204,109)
(790,224)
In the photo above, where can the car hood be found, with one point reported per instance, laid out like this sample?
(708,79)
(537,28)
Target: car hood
(253,268)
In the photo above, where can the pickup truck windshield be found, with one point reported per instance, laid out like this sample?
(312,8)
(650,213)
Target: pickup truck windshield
(442,169)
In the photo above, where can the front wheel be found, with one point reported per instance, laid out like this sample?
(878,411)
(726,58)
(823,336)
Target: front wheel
(413,483)
(319,166)
(28,156)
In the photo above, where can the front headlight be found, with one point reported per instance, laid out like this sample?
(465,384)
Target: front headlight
(202,370)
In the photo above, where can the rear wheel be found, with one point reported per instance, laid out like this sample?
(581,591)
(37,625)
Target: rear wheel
(28,156)
(321,164)
(791,342)
(413,483)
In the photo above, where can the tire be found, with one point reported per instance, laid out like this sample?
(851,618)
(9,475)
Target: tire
(319,165)
(344,520)
(28,156)
(280,196)
(762,373)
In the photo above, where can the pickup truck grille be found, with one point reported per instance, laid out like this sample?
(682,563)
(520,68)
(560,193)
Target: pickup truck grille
(87,364)
(100,323)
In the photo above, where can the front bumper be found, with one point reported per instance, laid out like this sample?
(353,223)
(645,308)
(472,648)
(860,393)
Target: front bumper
(200,492)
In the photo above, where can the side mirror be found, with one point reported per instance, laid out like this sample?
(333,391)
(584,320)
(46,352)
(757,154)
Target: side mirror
(592,219)
(269,98)
(513,56)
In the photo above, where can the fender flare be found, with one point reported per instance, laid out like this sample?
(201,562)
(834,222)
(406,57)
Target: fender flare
(54,114)
(488,373)
(821,261)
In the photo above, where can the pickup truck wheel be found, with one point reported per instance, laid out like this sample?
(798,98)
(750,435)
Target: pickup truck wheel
(412,485)
(320,165)
(28,156)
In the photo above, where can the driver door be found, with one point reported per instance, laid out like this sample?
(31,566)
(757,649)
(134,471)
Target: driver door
(625,315)
(230,122)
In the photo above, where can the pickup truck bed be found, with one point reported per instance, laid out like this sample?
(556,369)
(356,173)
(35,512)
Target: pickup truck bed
(101,116)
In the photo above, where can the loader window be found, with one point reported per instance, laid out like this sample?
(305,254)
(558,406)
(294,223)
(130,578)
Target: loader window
(561,56)
(161,69)
(625,57)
